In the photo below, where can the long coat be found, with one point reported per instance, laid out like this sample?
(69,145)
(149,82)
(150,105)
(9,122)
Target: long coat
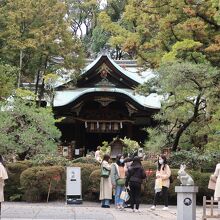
(217,187)
(164,175)
(114,173)
(105,183)
(3,176)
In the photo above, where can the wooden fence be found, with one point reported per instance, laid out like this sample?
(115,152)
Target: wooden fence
(212,205)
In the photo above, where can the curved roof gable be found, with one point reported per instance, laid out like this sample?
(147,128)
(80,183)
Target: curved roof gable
(114,73)
(63,98)
(128,74)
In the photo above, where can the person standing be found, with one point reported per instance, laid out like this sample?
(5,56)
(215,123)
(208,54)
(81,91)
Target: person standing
(217,186)
(118,180)
(98,154)
(135,177)
(105,183)
(3,177)
(162,181)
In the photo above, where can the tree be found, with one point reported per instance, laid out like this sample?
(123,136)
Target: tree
(149,30)
(26,129)
(8,75)
(99,39)
(161,34)
(36,38)
(187,91)
(82,14)
(214,133)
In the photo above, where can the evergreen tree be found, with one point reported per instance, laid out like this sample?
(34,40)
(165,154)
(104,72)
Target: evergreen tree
(26,129)
(36,38)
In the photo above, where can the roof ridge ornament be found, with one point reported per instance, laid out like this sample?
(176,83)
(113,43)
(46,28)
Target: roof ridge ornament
(104,51)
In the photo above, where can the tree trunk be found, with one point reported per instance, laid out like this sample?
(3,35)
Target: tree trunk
(41,94)
(180,132)
(187,123)
(20,65)
(37,82)
(38,77)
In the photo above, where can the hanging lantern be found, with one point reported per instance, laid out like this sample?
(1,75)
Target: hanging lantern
(110,126)
(97,125)
(86,125)
(121,125)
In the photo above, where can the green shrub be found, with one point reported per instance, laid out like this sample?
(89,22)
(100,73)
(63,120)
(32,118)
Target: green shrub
(13,189)
(89,160)
(194,160)
(49,160)
(36,180)
(94,185)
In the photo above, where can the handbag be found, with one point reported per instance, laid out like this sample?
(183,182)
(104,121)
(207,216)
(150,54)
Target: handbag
(158,185)
(212,182)
(105,173)
(120,181)
(124,195)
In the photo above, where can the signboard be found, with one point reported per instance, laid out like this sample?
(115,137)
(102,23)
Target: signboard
(73,185)
(76,151)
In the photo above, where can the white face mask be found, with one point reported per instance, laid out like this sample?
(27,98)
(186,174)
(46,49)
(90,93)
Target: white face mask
(161,161)
(121,160)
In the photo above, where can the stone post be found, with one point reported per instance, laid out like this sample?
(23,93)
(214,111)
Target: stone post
(186,202)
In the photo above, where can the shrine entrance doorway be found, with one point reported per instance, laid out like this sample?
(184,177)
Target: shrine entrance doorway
(102,118)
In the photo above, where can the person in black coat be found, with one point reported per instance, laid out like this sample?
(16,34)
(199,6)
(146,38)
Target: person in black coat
(135,177)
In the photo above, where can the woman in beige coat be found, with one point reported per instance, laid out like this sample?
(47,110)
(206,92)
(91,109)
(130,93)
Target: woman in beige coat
(105,184)
(162,182)
(217,186)
(3,177)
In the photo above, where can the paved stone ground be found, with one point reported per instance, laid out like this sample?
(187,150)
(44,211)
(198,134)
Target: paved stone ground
(86,211)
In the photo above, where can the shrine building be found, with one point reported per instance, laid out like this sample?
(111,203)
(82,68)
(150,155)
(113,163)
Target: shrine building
(103,104)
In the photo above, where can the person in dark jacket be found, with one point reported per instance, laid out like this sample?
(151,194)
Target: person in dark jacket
(135,177)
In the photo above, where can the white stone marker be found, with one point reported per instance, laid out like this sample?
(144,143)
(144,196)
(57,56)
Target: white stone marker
(186,202)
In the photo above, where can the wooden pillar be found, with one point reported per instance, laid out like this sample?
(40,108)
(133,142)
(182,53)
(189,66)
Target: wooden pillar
(77,134)
(130,130)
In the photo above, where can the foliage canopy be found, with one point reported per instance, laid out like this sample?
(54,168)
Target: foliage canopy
(26,129)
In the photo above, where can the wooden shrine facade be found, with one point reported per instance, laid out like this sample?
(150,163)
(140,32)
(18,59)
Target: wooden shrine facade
(103,105)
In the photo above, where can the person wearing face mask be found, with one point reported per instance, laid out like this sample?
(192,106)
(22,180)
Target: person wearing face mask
(162,182)
(118,180)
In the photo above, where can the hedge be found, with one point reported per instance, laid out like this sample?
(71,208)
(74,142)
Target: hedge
(13,189)
(31,184)
(36,181)
(87,160)
(94,184)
